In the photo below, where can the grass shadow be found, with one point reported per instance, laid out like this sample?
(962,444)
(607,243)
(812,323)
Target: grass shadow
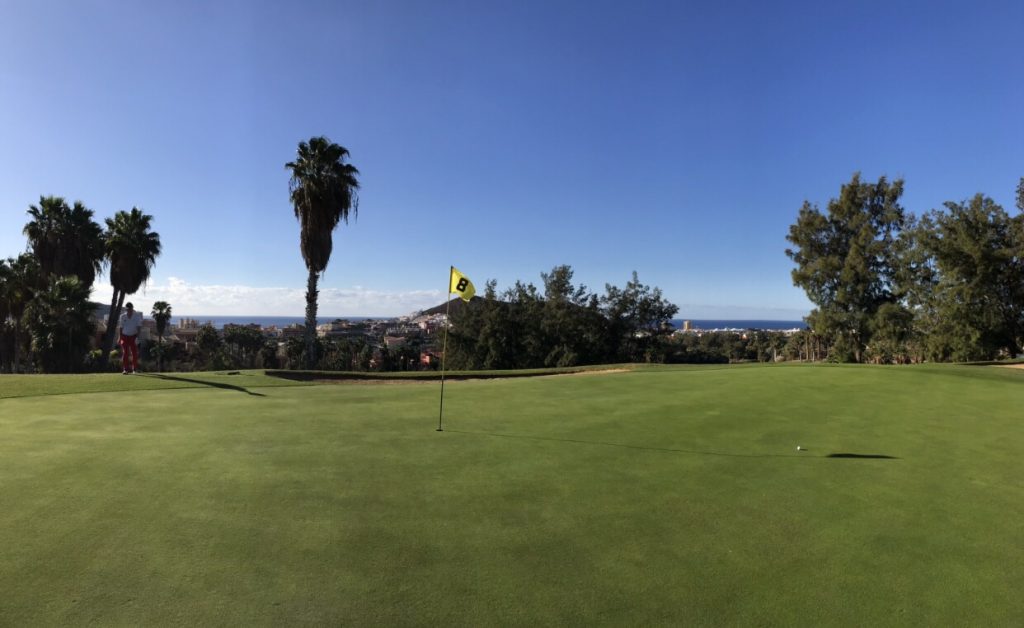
(864,456)
(677,451)
(203,383)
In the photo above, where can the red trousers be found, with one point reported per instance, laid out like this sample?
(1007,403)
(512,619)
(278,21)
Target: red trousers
(129,348)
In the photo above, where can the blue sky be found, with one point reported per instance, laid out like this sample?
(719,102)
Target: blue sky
(677,139)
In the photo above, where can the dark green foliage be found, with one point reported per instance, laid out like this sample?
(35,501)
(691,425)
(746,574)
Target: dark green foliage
(161,314)
(213,353)
(327,358)
(268,354)
(65,240)
(59,321)
(846,261)
(208,340)
(244,343)
(295,350)
(20,279)
(970,289)
(132,248)
(338,355)
(697,349)
(164,354)
(404,357)
(563,326)
(637,319)
(891,288)
(720,347)
(891,333)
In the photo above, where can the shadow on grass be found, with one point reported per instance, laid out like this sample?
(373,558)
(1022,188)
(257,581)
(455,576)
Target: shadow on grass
(864,456)
(176,378)
(667,449)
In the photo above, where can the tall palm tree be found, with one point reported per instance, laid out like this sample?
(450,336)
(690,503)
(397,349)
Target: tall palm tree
(323,193)
(131,248)
(65,239)
(161,314)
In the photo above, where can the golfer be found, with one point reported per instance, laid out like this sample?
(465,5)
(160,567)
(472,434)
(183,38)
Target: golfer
(131,323)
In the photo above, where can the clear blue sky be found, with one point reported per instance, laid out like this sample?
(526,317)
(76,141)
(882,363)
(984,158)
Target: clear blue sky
(677,139)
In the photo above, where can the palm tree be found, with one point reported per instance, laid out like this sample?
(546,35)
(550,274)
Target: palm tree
(323,193)
(21,279)
(161,314)
(131,249)
(59,319)
(65,240)
(5,308)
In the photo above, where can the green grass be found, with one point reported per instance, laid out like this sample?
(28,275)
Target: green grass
(325,376)
(47,385)
(660,496)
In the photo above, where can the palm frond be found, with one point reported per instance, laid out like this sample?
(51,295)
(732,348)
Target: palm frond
(324,191)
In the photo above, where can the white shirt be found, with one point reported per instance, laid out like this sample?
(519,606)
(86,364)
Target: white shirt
(130,324)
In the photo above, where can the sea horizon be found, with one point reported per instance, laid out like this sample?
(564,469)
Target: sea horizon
(283,321)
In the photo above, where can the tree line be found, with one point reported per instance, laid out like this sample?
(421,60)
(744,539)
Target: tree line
(46,315)
(892,287)
(559,324)
(238,346)
(887,286)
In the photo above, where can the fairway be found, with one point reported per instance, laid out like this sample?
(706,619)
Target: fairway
(653,497)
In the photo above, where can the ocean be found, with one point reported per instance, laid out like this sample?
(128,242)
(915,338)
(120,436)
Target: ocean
(267,321)
(284,321)
(741,324)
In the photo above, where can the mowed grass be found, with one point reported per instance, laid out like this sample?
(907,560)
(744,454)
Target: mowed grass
(44,385)
(655,497)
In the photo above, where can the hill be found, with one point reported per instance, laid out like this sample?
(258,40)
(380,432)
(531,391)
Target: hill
(456,306)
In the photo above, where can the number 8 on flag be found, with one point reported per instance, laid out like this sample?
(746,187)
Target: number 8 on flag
(461,285)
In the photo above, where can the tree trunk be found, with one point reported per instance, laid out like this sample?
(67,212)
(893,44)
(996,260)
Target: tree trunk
(311,298)
(108,337)
(160,356)
(17,340)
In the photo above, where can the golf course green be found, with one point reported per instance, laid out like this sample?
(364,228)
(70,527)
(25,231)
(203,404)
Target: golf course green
(657,496)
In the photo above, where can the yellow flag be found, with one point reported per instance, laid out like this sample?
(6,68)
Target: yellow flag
(461,285)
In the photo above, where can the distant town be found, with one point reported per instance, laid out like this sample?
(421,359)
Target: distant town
(395,331)
(416,331)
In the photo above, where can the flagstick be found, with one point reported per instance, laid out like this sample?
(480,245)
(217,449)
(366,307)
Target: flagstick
(444,349)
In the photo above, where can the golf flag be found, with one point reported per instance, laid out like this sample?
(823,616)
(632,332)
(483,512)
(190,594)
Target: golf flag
(461,285)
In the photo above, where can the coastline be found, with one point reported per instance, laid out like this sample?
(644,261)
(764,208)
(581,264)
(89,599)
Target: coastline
(284,321)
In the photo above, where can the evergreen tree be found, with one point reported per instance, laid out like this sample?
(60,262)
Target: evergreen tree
(637,317)
(846,261)
(565,325)
(972,284)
